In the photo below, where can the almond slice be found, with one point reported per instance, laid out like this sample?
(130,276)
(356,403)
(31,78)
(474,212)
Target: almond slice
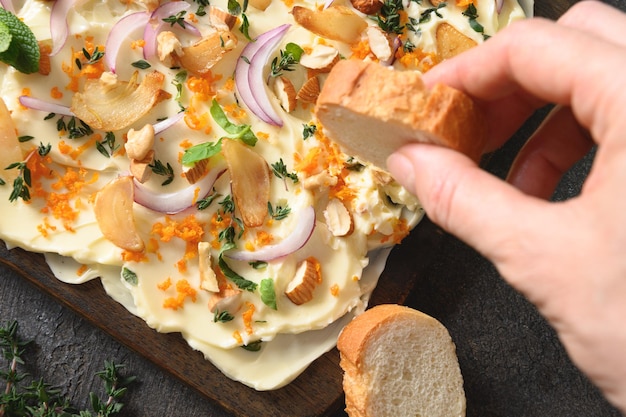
(286,93)
(379,43)
(307,277)
(141,169)
(221,19)
(169,48)
(113,208)
(338,218)
(229,299)
(250,181)
(367,6)
(139,142)
(208,279)
(309,91)
(197,171)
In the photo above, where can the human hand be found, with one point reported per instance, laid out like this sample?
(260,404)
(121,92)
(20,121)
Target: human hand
(567,258)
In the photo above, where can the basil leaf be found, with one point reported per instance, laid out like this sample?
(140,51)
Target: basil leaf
(242,132)
(129,276)
(268,295)
(201,151)
(239,281)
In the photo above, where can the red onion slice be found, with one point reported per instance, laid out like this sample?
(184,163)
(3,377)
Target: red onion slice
(328,3)
(7,5)
(119,32)
(38,104)
(167,123)
(499,4)
(59,30)
(177,201)
(299,236)
(249,74)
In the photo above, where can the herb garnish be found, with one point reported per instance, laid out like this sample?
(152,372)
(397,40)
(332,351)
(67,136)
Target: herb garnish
(268,295)
(426,14)
(109,141)
(177,19)
(129,276)
(205,202)
(141,64)
(178,81)
(472,15)
(308,130)
(22,183)
(288,58)
(18,44)
(280,170)
(222,316)
(91,58)
(237,279)
(208,149)
(165,170)
(39,398)
(253,346)
(278,213)
(388,19)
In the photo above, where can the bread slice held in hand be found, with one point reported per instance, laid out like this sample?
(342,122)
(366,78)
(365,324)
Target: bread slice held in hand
(398,362)
(371,110)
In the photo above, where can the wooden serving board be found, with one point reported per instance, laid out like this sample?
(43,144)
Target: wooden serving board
(316,392)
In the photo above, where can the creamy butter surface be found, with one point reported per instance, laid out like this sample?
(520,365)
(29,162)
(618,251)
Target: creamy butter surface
(241,317)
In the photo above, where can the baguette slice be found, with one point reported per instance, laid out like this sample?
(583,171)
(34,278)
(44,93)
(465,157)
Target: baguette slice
(397,362)
(371,111)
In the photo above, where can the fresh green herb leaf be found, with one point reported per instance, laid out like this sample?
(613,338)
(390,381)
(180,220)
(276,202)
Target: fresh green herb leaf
(44,150)
(288,58)
(22,51)
(129,276)
(25,138)
(353,165)
(222,316)
(408,46)
(237,279)
(245,26)
(108,141)
(253,346)
(178,81)
(241,132)
(426,14)
(308,130)
(268,295)
(228,204)
(278,213)
(177,19)
(141,64)
(22,183)
(280,170)
(234,7)
(472,14)
(388,19)
(201,151)
(258,264)
(205,202)
(163,170)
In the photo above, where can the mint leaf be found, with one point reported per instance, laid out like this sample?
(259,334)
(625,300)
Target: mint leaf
(268,295)
(5,37)
(23,50)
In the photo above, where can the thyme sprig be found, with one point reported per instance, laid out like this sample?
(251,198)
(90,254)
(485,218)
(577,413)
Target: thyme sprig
(40,399)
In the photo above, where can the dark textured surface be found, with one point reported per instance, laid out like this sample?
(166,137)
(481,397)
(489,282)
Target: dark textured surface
(512,361)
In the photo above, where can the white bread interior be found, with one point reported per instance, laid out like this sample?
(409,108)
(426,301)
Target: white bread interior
(397,362)
(371,110)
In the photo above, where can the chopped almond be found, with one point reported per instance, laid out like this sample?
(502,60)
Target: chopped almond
(379,43)
(309,91)
(169,48)
(221,19)
(367,6)
(140,169)
(307,277)
(113,208)
(199,170)
(208,279)
(286,93)
(338,218)
(229,299)
(320,181)
(139,142)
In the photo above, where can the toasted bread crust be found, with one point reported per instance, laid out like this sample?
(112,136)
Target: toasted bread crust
(372,110)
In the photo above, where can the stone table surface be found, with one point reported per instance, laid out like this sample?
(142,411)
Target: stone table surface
(512,362)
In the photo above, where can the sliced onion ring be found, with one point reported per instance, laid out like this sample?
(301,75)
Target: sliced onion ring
(301,234)
(7,5)
(120,31)
(167,123)
(499,4)
(177,201)
(38,104)
(249,74)
(59,29)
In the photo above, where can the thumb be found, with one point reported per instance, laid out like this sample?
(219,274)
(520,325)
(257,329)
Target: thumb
(479,208)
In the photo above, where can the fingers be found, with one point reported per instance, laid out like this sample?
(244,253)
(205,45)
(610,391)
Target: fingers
(537,58)
(553,149)
(477,207)
(598,19)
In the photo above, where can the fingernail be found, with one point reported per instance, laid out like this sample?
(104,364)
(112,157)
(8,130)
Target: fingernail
(401,168)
